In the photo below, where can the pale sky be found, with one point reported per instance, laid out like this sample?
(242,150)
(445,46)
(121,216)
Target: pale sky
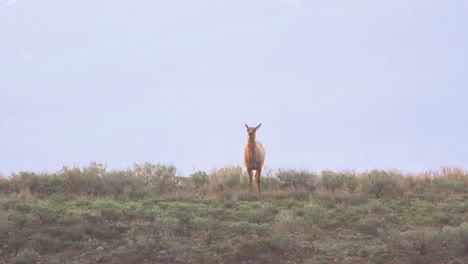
(338,85)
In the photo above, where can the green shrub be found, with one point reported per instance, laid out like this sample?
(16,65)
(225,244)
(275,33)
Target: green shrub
(45,214)
(179,251)
(344,215)
(167,226)
(287,202)
(262,215)
(453,180)
(23,207)
(375,206)
(369,226)
(146,242)
(86,182)
(300,195)
(382,184)
(268,250)
(297,180)
(225,179)
(148,214)
(25,257)
(7,227)
(135,254)
(280,243)
(17,243)
(50,184)
(101,231)
(325,200)
(416,186)
(352,183)
(269,183)
(246,197)
(59,198)
(161,179)
(200,179)
(110,210)
(314,213)
(248,228)
(5,186)
(431,244)
(380,256)
(451,185)
(45,244)
(393,218)
(22,182)
(332,181)
(45,184)
(205,224)
(288,222)
(121,227)
(117,183)
(349,198)
(20,219)
(55,232)
(458,237)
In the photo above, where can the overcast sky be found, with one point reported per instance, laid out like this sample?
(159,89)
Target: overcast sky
(359,84)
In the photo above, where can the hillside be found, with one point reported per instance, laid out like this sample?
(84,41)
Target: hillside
(148,214)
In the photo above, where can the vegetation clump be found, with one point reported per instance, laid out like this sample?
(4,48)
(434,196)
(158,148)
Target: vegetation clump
(152,214)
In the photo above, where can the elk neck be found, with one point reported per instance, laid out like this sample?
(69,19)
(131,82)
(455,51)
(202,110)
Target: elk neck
(251,144)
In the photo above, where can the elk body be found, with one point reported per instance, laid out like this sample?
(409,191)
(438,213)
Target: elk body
(254,156)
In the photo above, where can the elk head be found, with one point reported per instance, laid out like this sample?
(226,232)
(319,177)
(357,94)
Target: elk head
(251,130)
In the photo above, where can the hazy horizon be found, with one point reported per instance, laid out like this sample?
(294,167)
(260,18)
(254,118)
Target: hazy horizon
(336,85)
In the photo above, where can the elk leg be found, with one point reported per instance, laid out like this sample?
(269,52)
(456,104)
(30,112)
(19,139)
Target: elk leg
(257,176)
(250,178)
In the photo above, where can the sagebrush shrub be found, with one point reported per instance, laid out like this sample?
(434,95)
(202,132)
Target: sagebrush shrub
(45,214)
(225,179)
(349,198)
(6,186)
(332,181)
(369,226)
(82,183)
(44,244)
(382,184)
(270,183)
(160,179)
(268,250)
(109,209)
(314,213)
(200,179)
(26,257)
(247,227)
(117,183)
(352,183)
(297,180)
(287,222)
(431,243)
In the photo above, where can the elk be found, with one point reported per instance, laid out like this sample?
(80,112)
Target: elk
(254,156)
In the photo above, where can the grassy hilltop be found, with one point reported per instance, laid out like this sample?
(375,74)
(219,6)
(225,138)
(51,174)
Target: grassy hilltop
(148,214)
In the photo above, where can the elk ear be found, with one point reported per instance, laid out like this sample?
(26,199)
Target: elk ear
(246,125)
(257,127)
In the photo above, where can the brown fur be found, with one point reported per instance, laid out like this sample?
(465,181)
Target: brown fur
(254,156)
